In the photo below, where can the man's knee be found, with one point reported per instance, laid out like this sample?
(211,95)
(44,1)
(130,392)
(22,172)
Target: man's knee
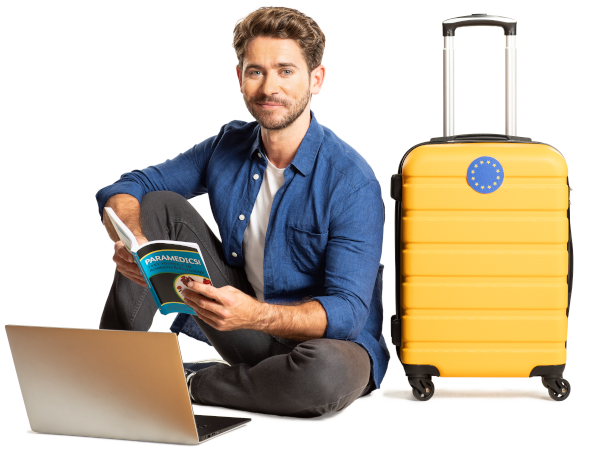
(160,200)
(159,210)
(334,372)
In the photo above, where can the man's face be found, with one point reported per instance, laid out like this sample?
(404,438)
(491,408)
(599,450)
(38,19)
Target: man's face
(275,82)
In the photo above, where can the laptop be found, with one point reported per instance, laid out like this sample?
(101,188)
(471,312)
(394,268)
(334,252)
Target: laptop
(112,384)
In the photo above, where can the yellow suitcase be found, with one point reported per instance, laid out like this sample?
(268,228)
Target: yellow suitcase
(484,257)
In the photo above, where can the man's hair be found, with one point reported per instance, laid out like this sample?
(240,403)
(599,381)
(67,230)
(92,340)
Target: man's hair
(280,22)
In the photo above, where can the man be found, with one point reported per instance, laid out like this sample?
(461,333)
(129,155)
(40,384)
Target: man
(295,308)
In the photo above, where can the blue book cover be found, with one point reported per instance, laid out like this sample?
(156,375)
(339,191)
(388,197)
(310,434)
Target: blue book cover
(166,265)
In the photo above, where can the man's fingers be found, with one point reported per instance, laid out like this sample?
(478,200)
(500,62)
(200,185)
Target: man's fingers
(131,267)
(207,291)
(119,261)
(215,320)
(199,287)
(135,277)
(122,252)
(125,255)
(140,282)
(130,271)
(126,265)
(211,318)
(225,308)
(204,303)
(206,320)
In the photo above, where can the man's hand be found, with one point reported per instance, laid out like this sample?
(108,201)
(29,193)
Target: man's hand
(228,309)
(127,208)
(126,264)
(224,309)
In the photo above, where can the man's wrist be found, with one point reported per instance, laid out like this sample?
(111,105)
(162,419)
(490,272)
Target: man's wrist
(140,239)
(300,322)
(263,315)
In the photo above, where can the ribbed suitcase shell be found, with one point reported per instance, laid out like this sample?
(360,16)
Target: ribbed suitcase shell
(484,276)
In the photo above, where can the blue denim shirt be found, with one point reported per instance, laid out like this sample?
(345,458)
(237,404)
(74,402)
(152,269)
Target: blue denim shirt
(325,231)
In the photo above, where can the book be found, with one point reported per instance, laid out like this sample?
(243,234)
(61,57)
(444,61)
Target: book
(166,265)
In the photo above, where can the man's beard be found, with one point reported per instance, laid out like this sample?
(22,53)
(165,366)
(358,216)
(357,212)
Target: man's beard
(263,117)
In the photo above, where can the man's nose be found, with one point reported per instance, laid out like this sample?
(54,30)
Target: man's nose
(270,85)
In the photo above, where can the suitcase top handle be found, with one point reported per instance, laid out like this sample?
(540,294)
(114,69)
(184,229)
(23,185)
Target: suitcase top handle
(510,31)
(450,25)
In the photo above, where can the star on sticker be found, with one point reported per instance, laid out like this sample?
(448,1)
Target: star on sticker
(481,161)
(489,187)
(497,171)
(482,187)
(476,166)
(497,177)
(494,184)
(473,178)
(488,161)
(472,171)
(477,184)
(494,164)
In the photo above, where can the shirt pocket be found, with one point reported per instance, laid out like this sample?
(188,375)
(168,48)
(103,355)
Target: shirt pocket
(307,250)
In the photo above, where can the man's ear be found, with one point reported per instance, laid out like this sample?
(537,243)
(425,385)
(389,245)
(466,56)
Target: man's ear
(317,76)
(239,74)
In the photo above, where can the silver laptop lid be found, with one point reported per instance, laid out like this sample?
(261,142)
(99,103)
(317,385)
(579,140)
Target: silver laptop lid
(103,383)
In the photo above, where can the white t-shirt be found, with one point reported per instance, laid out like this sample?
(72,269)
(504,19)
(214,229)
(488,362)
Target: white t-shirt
(254,236)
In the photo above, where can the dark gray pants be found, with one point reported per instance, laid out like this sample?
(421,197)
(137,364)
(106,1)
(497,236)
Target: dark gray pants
(267,374)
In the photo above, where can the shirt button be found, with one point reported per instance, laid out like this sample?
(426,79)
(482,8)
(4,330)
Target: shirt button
(241,217)
(234,254)
(255,177)
(259,155)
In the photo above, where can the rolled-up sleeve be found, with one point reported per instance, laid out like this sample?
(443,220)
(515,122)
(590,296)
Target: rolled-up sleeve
(185,175)
(352,260)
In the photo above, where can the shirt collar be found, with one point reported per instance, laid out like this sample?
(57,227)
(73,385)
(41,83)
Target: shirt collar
(256,145)
(309,147)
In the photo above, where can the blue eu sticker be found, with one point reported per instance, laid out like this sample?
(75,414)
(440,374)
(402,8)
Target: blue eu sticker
(485,175)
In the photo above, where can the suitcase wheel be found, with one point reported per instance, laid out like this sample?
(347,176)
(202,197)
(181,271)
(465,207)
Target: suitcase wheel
(422,387)
(558,388)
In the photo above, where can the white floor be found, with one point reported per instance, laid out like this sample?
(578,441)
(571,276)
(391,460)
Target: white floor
(476,419)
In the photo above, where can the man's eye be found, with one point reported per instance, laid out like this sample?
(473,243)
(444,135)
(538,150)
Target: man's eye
(287,72)
(255,72)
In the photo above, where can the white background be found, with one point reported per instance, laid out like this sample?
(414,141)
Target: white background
(71,123)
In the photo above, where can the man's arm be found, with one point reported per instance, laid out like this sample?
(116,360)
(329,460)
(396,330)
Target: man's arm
(353,254)
(183,175)
(127,209)
(228,309)
(352,262)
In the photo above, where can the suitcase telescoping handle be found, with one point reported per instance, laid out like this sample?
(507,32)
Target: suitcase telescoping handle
(510,31)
